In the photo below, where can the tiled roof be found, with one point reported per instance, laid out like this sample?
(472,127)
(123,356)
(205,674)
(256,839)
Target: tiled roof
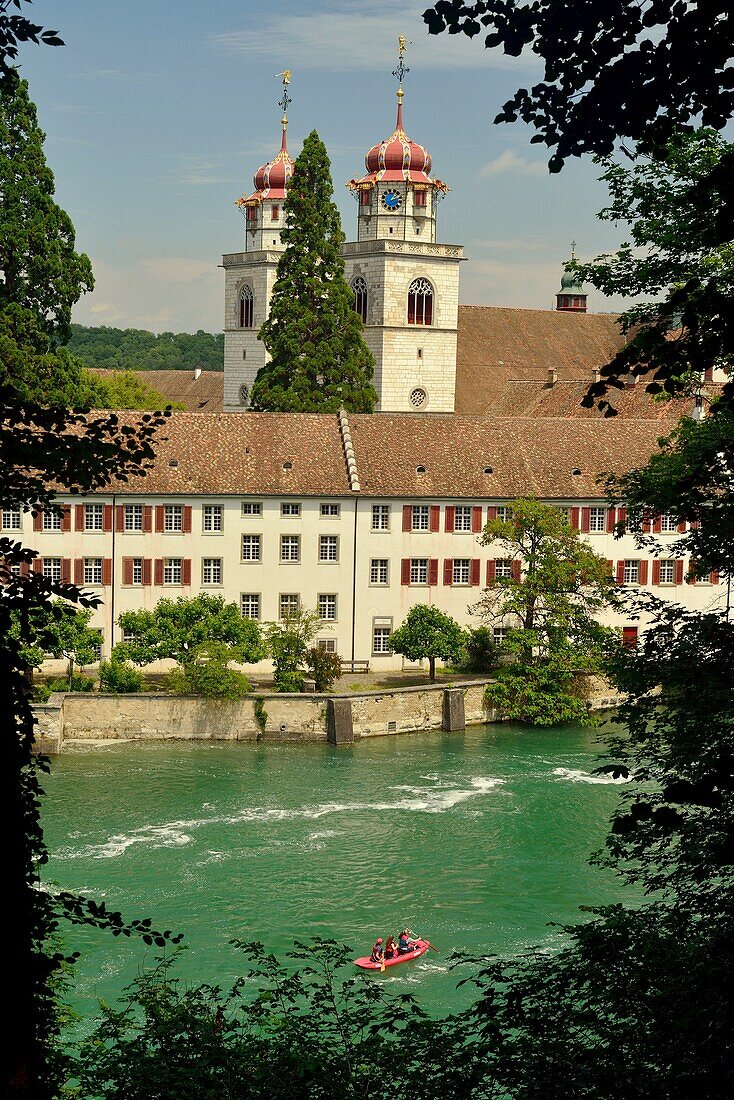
(182,387)
(524,398)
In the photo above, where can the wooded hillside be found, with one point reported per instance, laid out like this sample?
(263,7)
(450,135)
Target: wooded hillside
(136,349)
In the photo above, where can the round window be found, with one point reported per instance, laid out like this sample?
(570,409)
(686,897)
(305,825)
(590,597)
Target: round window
(418,397)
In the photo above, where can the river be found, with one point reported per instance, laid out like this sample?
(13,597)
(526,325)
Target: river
(476,840)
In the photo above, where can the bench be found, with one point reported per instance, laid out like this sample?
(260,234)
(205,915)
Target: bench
(355,666)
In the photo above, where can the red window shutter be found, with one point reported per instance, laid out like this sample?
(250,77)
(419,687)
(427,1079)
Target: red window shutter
(642,574)
(448,571)
(714,576)
(78,517)
(78,571)
(622,515)
(620,572)
(38,565)
(24,569)
(66,570)
(450,518)
(158,571)
(516,570)
(120,518)
(629,637)
(127,570)
(159,513)
(682,527)
(586,520)
(694,524)
(38,522)
(147,518)
(107,517)
(66,518)
(187,519)
(476,520)
(407,517)
(611,520)
(474,571)
(656,571)
(147,570)
(679,571)
(433,571)
(610,567)
(434,519)
(107,571)
(405,571)
(646,526)
(575,518)
(657,525)
(491,572)
(692,578)
(186,571)
(491,513)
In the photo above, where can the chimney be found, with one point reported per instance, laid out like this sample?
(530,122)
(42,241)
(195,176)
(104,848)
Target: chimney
(552,376)
(197,374)
(596,375)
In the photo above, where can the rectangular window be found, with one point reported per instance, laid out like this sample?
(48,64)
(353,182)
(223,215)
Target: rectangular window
(327,644)
(290,547)
(503,513)
(250,605)
(137,570)
(381,639)
(12,520)
(52,569)
(461,571)
(462,517)
(92,570)
(173,517)
(252,508)
(52,521)
(631,572)
(667,571)
(211,570)
(565,512)
(327,607)
(499,634)
(330,509)
(275,213)
(668,524)
(133,517)
(421,514)
(96,647)
(328,548)
(213,517)
(419,198)
(289,604)
(597,519)
(380,517)
(172,570)
(251,547)
(419,570)
(290,508)
(503,567)
(93,517)
(128,636)
(379,571)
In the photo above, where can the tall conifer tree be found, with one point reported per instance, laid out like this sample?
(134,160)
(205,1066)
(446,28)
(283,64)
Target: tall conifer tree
(319,361)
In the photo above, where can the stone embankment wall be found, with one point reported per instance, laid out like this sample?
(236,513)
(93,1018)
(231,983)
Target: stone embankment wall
(69,718)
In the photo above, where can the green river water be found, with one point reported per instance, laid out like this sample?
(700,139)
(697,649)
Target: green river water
(476,840)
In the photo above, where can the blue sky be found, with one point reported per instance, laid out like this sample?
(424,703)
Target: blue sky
(157,114)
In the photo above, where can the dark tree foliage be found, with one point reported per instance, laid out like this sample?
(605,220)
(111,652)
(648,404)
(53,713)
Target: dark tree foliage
(135,349)
(319,361)
(19,28)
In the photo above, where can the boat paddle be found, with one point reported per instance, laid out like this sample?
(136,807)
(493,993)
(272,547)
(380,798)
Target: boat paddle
(412,933)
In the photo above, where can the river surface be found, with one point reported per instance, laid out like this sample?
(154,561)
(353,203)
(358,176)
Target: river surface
(475,840)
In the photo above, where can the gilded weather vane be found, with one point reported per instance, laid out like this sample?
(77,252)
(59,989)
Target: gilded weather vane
(401,68)
(286,100)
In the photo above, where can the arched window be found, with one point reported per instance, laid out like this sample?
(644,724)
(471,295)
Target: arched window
(420,302)
(359,286)
(247,302)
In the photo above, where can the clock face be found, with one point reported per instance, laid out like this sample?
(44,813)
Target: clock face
(391,200)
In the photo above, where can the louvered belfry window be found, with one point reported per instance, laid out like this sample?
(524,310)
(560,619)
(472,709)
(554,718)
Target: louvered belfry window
(420,302)
(359,286)
(247,303)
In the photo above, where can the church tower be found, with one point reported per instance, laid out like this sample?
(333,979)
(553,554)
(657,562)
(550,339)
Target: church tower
(249,275)
(406,285)
(571,298)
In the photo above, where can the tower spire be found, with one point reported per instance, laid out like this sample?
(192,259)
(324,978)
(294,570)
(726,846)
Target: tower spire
(399,71)
(283,103)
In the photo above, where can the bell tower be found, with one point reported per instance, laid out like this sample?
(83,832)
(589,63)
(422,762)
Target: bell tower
(571,298)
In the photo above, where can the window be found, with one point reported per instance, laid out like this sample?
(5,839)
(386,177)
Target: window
(667,571)
(381,639)
(52,570)
(365,196)
(250,605)
(565,512)
(503,567)
(290,508)
(93,517)
(213,517)
(137,570)
(211,571)
(330,510)
(503,513)
(128,636)
(419,570)
(420,521)
(252,508)
(290,547)
(172,570)
(631,572)
(418,397)
(246,307)
(419,198)
(420,302)
(379,571)
(461,571)
(380,517)
(133,517)
(52,521)
(462,517)
(290,603)
(328,548)
(359,286)
(327,644)
(96,647)
(251,213)
(92,570)
(668,524)
(327,607)
(629,637)
(251,547)
(499,634)
(12,520)
(275,214)
(597,519)
(173,517)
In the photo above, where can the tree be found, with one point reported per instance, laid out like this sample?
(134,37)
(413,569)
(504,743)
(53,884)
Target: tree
(15,29)
(72,639)
(287,643)
(319,361)
(556,588)
(325,667)
(135,349)
(428,632)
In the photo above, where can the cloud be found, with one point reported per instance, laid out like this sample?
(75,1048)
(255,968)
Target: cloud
(510,161)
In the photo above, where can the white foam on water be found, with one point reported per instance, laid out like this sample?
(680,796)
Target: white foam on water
(576,775)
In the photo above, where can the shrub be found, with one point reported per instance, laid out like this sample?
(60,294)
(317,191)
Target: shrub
(79,682)
(481,650)
(325,667)
(286,680)
(212,679)
(118,677)
(41,693)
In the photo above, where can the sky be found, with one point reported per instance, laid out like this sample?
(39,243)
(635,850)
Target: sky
(158,112)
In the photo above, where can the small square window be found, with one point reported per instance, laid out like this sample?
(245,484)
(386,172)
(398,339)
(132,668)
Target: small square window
(52,521)
(211,570)
(328,547)
(668,524)
(503,567)
(289,604)
(172,570)
(462,517)
(597,520)
(421,514)
(133,517)
(252,508)
(92,570)
(250,605)
(381,640)
(499,634)
(327,644)
(290,508)
(290,547)
(251,547)
(213,518)
(631,572)
(93,518)
(419,570)
(380,517)
(12,519)
(379,571)
(330,510)
(327,608)
(461,571)
(52,570)
(173,517)
(503,513)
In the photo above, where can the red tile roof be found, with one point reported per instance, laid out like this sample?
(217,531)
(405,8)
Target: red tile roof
(182,387)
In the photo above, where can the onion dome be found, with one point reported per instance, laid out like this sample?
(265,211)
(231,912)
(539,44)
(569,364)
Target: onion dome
(397,159)
(571,284)
(271,179)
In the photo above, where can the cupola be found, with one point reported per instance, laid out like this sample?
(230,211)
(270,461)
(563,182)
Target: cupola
(272,178)
(571,298)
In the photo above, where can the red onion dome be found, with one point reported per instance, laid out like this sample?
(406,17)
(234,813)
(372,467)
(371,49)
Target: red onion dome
(398,159)
(271,179)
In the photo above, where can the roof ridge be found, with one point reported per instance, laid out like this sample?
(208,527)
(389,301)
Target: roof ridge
(349,455)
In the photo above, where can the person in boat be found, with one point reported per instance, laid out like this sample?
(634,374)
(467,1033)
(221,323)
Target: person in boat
(405,944)
(391,947)
(377,952)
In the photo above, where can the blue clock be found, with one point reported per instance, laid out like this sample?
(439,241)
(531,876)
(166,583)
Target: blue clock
(391,200)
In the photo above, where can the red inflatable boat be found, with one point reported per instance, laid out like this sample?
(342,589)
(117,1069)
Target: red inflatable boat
(420,949)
